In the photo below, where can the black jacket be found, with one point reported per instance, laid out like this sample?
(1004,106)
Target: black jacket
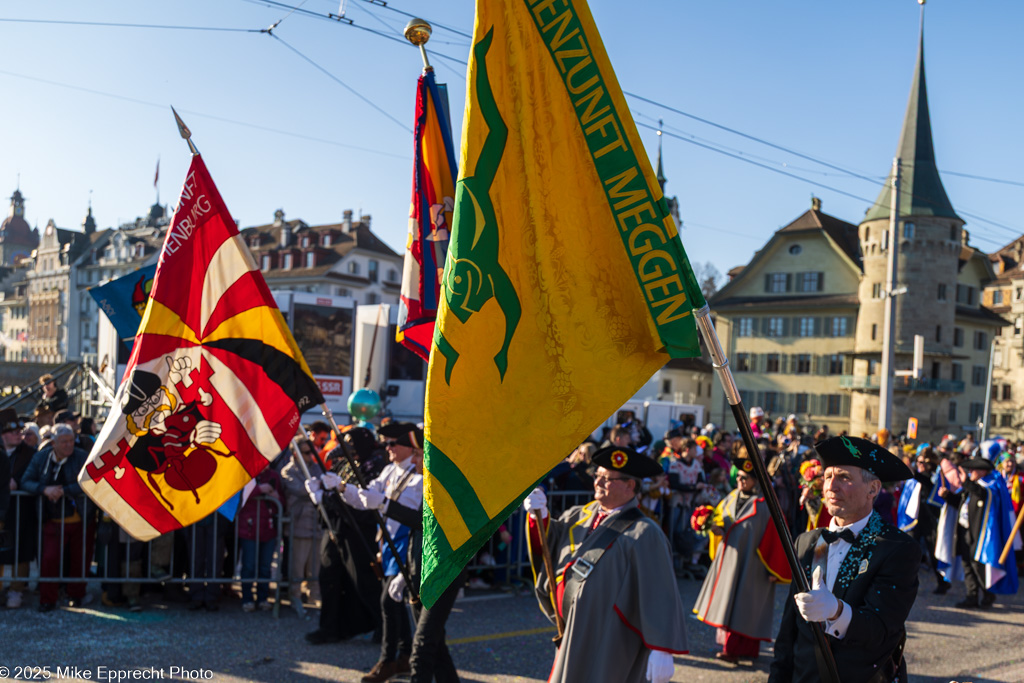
(881,597)
(977,502)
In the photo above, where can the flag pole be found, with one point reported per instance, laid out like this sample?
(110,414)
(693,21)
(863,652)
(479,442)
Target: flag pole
(739,412)
(301,463)
(185,133)
(380,518)
(417,32)
(549,569)
(1013,534)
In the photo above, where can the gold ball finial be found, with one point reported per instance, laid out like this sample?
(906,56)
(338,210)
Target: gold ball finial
(920,2)
(417,32)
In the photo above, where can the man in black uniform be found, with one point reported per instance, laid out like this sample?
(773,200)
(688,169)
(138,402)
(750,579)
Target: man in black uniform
(863,575)
(349,587)
(972,502)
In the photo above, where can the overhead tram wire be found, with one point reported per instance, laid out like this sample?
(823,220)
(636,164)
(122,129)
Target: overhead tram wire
(255,126)
(340,82)
(115,24)
(385,5)
(1015,183)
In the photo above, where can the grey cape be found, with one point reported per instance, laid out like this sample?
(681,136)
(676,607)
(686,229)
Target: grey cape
(627,606)
(738,594)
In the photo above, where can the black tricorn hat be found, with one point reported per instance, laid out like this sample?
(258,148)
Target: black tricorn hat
(978,464)
(405,433)
(9,420)
(362,441)
(626,460)
(141,385)
(849,451)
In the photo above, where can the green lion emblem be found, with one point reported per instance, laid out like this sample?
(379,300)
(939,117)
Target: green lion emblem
(473,275)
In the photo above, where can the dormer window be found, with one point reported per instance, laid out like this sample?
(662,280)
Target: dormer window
(310,259)
(140,250)
(265,262)
(305,241)
(353,267)
(286,263)
(325,241)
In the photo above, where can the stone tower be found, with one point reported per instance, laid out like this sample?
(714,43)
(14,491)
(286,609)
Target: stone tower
(17,239)
(930,235)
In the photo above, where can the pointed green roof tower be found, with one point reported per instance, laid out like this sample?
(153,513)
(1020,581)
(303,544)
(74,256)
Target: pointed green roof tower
(921,190)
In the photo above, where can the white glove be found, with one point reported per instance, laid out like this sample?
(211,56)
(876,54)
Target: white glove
(330,480)
(660,667)
(818,604)
(396,588)
(371,499)
(205,432)
(314,491)
(537,501)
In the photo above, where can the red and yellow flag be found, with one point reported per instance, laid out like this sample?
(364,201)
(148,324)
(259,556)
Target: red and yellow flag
(215,383)
(430,218)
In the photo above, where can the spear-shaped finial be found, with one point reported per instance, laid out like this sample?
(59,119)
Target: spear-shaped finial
(185,133)
(417,32)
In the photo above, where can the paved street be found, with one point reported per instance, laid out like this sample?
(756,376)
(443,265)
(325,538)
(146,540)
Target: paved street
(494,638)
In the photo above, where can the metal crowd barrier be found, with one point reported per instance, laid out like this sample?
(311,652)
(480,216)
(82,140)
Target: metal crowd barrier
(107,553)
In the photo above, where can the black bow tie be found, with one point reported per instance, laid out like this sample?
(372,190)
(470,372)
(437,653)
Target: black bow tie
(833,536)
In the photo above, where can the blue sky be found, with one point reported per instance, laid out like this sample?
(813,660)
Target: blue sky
(85,107)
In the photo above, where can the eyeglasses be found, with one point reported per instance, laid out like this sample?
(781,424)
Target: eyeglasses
(605,477)
(390,442)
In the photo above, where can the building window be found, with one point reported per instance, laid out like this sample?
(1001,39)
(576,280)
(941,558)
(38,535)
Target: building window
(834,404)
(771,402)
(800,403)
(353,267)
(776,327)
(874,331)
(942,291)
(777,282)
(958,372)
(795,249)
(265,262)
(745,327)
(371,297)
(835,364)
(742,362)
(952,411)
(908,231)
(997,297)
(965,295)
(1018,294)
(805,327)
(771,362)
(977,410)
(1007,392)
(978,374)
(666,386)
(326,240)
(876,290)
(341,291)
(392,275)
(1006,420)
(938,333)
(810,282)
(305,240)
(286,262)
(310,259)
(839,327)
(372,270)
(958,336)
(803,366)
(980,341)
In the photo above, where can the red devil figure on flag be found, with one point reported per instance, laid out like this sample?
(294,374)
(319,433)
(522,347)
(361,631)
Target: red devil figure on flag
(430,217)
(215,384)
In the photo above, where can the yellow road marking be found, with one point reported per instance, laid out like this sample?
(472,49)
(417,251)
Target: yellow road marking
(497,636)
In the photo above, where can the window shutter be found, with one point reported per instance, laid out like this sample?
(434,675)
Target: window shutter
(844,408)
(783,362)
(785,327)
(847,365)
(793,363)
(812,401)
(789,282)
(767,282)
(819,326)
(850,322)
(821,281)
(760,398)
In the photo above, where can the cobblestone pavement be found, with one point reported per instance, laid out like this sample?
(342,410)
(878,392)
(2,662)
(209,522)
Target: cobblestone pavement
(494,638)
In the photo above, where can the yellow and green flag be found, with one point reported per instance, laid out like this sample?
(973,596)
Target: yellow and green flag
(565,286)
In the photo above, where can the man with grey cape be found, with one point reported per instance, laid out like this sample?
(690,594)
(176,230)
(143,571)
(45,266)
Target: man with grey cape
(614,584)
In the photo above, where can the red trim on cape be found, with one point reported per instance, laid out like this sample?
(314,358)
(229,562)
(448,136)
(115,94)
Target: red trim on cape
(635,630)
